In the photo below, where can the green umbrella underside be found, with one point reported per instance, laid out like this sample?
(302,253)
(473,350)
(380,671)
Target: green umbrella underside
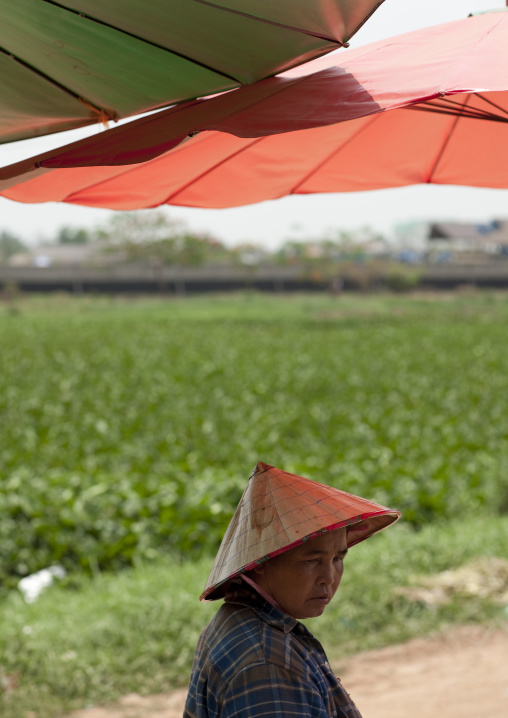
(72,63)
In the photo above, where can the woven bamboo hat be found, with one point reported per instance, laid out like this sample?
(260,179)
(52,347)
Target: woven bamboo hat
(277,512)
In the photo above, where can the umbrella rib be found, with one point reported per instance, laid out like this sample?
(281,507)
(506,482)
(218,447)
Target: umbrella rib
(491,102)
(144,40)
(334,152)
(103,113)
(471,114)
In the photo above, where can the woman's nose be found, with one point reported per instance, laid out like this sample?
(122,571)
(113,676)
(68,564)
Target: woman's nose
(326,575)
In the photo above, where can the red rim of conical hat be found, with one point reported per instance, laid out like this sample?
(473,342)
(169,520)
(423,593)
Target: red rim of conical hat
(279,511)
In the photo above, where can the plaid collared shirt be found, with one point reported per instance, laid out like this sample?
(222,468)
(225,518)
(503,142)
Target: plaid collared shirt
(254,661)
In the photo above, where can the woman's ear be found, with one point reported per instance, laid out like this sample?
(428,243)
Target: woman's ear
(258,570)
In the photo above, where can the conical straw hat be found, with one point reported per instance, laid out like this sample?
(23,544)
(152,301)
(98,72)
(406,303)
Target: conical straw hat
(277,512)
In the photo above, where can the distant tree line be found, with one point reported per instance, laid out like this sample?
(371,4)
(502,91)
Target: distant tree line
(10,244)
(156,238)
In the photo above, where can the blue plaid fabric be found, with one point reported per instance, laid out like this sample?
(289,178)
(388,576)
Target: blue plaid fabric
(254,661)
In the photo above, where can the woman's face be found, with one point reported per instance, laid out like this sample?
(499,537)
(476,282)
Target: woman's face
(304,579)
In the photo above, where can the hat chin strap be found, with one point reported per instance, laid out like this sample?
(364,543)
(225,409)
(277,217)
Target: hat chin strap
(261,592)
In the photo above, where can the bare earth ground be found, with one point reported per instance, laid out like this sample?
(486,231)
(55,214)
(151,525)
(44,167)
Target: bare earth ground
(462,673)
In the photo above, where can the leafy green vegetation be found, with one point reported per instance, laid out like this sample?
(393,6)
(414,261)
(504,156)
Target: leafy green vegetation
(129,429)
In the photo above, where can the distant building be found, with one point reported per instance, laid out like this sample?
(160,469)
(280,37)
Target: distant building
(463,241)
(91,254)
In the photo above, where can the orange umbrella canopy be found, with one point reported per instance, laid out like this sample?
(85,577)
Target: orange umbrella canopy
(216,170)
(278,511)
(67,64)
(427,107)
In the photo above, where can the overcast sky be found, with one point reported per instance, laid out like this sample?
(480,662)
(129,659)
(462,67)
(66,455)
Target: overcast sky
(269,223)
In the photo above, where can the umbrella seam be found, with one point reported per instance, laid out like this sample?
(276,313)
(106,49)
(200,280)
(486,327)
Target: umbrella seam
(314,170)
(103,23)
(270,22)
(126,169)
(188,184)
(123,170)
(478,41)
(439,156)
(101,111)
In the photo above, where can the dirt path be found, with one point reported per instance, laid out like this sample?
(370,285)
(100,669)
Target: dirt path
(460,674)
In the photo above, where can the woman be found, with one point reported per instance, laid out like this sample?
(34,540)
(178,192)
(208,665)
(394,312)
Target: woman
(281,560)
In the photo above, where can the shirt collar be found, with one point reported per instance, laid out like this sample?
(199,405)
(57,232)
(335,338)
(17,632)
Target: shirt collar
(247,595)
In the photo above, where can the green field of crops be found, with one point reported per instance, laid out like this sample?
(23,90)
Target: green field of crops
(129,429)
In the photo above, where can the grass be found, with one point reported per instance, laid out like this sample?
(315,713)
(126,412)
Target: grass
(95,639)
(255,306)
